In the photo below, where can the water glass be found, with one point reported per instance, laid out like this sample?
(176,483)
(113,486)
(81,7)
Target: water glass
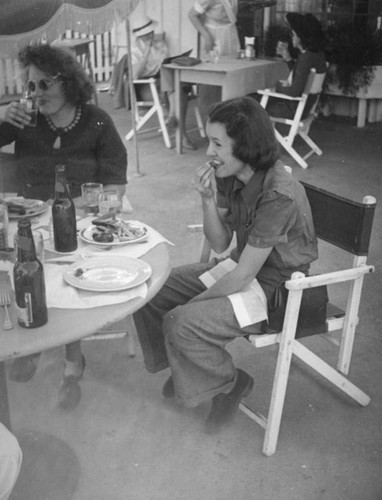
(110,202)
(31,108)
(90,197)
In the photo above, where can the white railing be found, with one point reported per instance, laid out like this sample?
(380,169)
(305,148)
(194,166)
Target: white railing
(101,55)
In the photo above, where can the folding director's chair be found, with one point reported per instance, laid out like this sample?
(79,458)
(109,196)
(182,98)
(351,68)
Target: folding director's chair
(347,225)
(301,122)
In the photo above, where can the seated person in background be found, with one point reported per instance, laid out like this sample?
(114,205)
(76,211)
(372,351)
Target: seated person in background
(70,131)
(147,56)
(187,326)
(10,462)
(308,38)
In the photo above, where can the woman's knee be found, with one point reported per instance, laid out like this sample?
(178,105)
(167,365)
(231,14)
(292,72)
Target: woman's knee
(176,322)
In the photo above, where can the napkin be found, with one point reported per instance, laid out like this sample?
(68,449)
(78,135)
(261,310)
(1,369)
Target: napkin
(61,295)
(250,304)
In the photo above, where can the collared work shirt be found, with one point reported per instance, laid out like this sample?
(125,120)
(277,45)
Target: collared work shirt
(271,211)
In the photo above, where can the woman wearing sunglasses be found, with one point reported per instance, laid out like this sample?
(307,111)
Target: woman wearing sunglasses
(71,131)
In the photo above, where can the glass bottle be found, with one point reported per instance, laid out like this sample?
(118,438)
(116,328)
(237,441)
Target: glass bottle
(28,276)
(63,214)
(249,50)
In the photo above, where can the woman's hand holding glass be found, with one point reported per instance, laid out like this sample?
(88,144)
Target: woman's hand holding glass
(16,114)
(202,180)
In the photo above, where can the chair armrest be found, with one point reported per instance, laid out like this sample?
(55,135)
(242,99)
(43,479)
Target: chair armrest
(273,93)
(145,80)
(328,278)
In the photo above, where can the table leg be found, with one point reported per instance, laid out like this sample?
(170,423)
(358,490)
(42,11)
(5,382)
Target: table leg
(362,105)
(178,112)
(4,403)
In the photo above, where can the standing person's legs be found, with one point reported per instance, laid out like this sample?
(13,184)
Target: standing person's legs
(187,143)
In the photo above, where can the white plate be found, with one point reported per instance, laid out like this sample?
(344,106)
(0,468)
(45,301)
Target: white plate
(107,274)
(86,236)
(32,207)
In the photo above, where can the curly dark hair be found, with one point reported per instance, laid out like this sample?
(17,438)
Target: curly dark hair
(77,86)
(248,124)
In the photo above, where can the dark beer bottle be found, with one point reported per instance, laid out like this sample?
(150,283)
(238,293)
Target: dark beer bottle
(28,275)
(63,214)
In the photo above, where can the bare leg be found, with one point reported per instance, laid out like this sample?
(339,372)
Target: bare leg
(187,143)
(70,390)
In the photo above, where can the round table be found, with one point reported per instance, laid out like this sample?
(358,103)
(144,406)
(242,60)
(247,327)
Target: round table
(68,325)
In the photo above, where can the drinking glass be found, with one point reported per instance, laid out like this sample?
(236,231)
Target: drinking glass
(110,201)
(90,196)
(30,106)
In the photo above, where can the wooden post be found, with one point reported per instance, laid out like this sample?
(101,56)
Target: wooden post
(132,100)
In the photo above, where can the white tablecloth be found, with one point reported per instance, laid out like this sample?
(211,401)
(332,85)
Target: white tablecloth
(59,293)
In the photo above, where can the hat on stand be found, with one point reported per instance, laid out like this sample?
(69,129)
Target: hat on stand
(142,25)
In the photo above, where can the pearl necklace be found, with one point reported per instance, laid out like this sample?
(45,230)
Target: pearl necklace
(59,131)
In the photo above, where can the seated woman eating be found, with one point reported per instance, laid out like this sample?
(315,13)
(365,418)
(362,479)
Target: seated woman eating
(187,326)
(70,131)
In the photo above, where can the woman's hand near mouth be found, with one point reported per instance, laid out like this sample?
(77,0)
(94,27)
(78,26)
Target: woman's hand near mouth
(202,180)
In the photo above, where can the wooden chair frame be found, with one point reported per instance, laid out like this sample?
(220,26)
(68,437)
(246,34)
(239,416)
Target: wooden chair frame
(347,225)
(298,125)
(154,107)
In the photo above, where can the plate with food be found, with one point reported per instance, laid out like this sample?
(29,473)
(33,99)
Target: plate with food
(19,207)
(106,232)
(107,274)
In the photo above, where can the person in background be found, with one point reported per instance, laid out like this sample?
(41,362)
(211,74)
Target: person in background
(215,20)
(70,131)
(147,56)
(187,326)
(308,39)
(10,462)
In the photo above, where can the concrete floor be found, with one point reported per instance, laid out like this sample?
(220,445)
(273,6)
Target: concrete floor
(124,443)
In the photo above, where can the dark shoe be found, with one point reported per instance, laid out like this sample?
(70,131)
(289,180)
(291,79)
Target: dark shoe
(70,392)
(224,406)
(24,368)
(168,391)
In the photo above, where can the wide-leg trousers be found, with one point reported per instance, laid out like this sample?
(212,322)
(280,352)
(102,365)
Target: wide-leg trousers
(190,337)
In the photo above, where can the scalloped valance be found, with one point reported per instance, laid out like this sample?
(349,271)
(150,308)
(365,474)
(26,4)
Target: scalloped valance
(24,22)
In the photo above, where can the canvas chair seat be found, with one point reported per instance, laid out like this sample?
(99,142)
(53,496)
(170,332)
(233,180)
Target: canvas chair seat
(347,225)
(303,118)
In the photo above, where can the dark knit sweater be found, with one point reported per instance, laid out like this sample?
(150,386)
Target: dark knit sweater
(91,151)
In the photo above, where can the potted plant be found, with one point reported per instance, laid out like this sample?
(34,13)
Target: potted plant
(353,52)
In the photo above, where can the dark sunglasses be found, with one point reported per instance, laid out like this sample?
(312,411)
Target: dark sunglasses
(44,84)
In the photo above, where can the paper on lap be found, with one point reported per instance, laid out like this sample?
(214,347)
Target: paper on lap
(250,304)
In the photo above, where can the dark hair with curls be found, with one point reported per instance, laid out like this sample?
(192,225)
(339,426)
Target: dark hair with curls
(77,86)
(248,124)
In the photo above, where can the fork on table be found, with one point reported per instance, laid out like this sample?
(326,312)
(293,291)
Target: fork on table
(5,301)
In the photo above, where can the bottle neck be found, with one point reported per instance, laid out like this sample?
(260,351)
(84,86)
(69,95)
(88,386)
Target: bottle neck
(61,185)
(26,250)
